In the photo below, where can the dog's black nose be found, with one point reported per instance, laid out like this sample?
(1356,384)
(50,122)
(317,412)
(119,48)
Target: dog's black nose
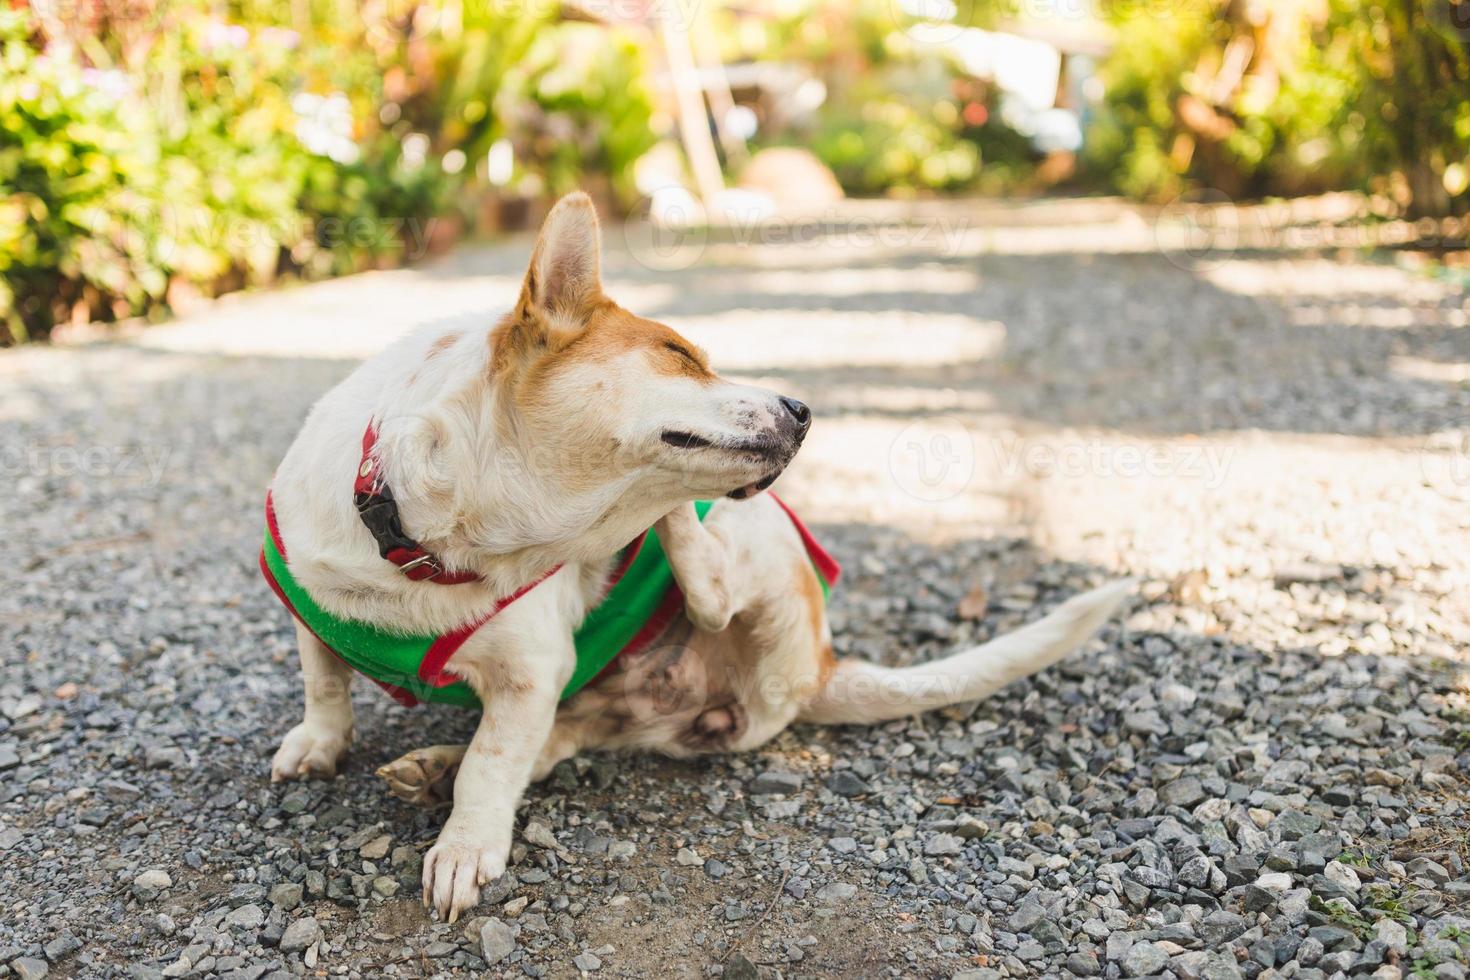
(799,412)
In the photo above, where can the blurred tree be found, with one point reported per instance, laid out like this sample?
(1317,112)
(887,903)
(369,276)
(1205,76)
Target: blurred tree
(1294,96)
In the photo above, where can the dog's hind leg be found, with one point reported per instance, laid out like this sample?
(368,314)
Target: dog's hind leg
(425,777)
(314,747)
(703,565)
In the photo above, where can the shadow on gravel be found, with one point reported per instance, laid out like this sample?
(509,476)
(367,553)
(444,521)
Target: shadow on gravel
(1133,343)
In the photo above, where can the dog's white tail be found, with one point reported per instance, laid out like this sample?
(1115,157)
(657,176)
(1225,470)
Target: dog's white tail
(862,693)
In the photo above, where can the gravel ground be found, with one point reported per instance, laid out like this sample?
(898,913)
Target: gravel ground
(1260,771)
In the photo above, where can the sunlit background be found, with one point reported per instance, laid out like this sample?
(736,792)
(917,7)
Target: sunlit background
(153,153)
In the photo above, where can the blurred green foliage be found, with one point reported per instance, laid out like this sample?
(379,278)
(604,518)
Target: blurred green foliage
(894,119)
(183,153)
(198,146)
(1290,98)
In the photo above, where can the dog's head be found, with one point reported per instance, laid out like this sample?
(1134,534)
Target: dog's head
(606,400)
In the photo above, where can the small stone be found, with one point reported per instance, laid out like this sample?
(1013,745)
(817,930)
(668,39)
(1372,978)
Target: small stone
(1422,867)
(687,858)
(845,782)
(150,883)
(1334,938)
(376,848)
(738,967)
(539,834)
(63,945)
(971,828)
(836,891)
(1083,964)
(1219,927)
(1145,723)
(497,941)
(1144,959)
(1305,573)
(385,886)
(941,845)
(1274,881)
(843,845)
(1184,792)
(588,962)
(248,917)
(1342,875)
(1257,899)
(1295,824)
(1393,934)
(28,968)
(776,781)
(300,934)
(286,896)
(621,850)
(1026,917)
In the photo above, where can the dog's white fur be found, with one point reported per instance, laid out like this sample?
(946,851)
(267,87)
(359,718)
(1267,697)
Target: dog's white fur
(542,442)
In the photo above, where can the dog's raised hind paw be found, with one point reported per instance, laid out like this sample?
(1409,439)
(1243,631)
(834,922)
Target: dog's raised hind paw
(424,776)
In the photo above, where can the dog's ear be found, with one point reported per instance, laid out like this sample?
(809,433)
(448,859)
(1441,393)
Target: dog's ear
(565,276)
(562,286)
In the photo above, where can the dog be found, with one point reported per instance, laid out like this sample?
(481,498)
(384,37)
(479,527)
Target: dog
(451,515)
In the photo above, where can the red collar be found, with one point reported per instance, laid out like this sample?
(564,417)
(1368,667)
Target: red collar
(379,511)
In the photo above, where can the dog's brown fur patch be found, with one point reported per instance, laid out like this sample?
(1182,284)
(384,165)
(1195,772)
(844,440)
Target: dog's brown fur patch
(441,345)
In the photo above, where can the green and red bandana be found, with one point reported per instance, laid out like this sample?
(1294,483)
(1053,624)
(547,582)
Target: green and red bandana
(641,602)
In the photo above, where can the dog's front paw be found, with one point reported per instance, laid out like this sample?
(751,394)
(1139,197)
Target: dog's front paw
(455,868)
(309,750)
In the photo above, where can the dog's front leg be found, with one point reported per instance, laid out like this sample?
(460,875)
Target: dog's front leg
(314,747)
(519,694)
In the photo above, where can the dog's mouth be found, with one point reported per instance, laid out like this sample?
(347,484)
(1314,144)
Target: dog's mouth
(768,454)
(751,489)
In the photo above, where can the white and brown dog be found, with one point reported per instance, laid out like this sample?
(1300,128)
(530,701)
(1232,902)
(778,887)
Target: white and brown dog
(522,460)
